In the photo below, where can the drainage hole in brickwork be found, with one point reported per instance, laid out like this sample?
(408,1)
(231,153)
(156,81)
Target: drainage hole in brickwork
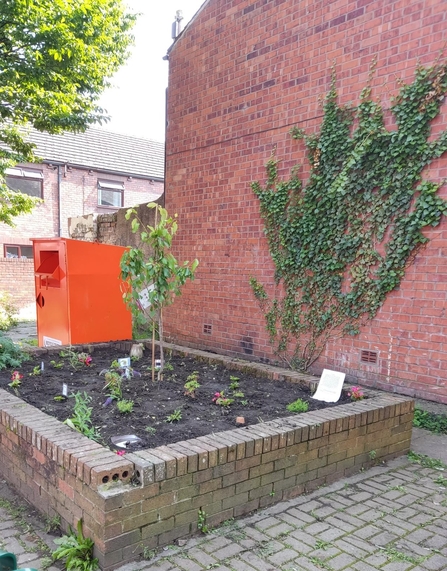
(115,477)
(105,479)
(125,474)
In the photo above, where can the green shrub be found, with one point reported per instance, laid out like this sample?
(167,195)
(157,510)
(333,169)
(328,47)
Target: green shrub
(11,355)
(436,423)
(8,312)
(298,406)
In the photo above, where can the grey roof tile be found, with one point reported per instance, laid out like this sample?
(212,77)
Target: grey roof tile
(102,150)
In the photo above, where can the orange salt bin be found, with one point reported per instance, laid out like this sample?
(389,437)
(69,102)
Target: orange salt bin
(79,294)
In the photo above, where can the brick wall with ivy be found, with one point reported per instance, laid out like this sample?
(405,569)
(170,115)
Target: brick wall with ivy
(242,75)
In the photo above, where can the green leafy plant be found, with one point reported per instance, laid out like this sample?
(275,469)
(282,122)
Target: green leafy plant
(201,521)
(8,311)
(76,551)
(11,355)
(37,370)
(16,380)
(176,416)
(125,406)
(113,384)
(436,423)
(372,454)
(298,406)
(342,242)
(234,383)
(52,523)
(221,400)
(75,359)
(81,419)
(159,277)
(57,364)
(192,384)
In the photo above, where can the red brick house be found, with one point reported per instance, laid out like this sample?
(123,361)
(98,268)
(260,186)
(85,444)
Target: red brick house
(242,73)
(93,172)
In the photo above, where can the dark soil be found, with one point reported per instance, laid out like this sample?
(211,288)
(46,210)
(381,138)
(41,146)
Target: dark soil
(262,399)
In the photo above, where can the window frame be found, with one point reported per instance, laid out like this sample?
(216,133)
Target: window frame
(19,246)
(115,186)
(20,173)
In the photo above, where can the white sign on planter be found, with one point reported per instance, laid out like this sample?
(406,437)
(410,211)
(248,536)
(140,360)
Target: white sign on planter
(330,385)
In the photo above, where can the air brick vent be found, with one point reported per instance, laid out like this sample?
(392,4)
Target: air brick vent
(207,329)
(368,357)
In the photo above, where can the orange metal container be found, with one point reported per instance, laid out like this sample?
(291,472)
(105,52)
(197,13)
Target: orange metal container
(79,293)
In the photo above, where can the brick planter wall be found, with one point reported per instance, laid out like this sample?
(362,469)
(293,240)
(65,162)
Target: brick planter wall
(152,497)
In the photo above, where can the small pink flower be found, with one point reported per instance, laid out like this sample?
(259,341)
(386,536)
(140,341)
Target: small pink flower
(16,376)
(120,452)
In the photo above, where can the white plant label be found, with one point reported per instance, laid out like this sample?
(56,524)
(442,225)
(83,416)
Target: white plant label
(330,386)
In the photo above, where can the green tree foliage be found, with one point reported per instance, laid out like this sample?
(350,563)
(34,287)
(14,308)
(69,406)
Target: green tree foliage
(56,57)
(345,239)
(159,275)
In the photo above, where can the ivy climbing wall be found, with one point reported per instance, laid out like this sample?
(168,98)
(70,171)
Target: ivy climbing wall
(242,75)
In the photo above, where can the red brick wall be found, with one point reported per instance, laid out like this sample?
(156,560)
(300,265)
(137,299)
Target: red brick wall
(241,75)
(17,279)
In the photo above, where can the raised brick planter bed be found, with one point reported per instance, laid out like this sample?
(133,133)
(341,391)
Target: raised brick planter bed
(150,498)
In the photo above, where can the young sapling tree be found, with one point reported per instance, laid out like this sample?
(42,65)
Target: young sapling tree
(154,280)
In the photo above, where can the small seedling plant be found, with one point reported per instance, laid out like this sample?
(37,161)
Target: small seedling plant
(16,380)
(76,551)
(81,419)
(36,371)
(298,406)
(201,521)
(191,385)
(176,416)
(221,400)
(125,406)
(76,360)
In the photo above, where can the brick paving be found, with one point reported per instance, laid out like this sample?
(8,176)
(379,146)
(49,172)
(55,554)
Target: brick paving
(392,518)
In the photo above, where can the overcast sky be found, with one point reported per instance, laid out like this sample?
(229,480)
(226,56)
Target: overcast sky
(136,103)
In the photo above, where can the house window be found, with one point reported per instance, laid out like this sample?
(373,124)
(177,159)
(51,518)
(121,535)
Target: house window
(110,193)
(16,251)
(25,180)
